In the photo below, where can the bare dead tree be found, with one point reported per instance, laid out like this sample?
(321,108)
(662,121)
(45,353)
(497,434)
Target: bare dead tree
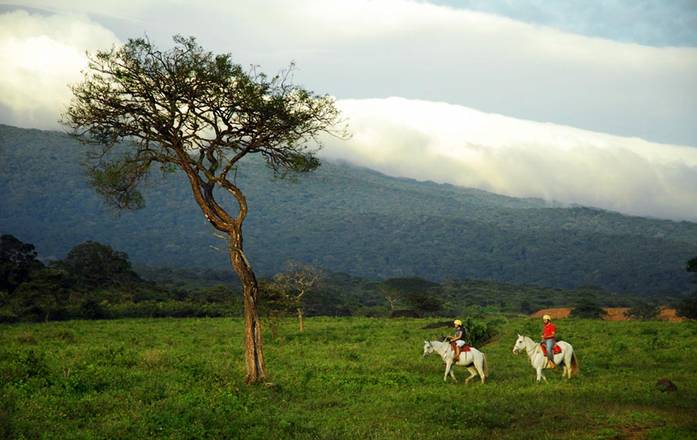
(391,295)
(295,282)
(187,109)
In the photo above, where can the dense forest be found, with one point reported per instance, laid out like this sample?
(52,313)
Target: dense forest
(95,281)
(343,219)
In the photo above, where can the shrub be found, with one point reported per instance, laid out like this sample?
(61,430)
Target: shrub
(92,309)
(408,313)
(587,309)
(478,332)
(687,308)
(7,315)
(643,311)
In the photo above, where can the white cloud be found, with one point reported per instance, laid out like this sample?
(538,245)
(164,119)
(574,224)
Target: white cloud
(428,53)
(376,49)
(39,57)
(454,144)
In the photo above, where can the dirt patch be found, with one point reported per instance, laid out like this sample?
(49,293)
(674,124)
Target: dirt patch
(634,432)
(611,313)
(616,313)
(619,314)
(668,314)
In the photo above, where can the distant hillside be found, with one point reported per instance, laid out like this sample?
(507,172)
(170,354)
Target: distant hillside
(345,219)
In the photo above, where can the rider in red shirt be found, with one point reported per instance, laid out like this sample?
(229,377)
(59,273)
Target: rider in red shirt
(549,335)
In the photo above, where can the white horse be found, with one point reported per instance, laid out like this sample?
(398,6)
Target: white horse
(567,357)
(474,360)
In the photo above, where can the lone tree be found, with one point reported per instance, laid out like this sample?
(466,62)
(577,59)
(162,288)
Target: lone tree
(587,307)
(93,265)
(17,262)
(692,266)
(297,280)
(687,308)
(419,294)
(190,110)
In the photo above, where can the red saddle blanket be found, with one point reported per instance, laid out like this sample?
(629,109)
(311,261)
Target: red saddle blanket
(555,350)
(463,349)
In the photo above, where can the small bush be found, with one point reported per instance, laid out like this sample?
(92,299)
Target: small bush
(643,311)
(408,313)
(92,309)
(478,332)
(687,308)
(8,316)
(588,310)
(27,338)
(153,358)
(65,335)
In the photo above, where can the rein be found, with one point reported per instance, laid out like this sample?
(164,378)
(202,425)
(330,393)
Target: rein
(530,350)
(441,348)
(531,347)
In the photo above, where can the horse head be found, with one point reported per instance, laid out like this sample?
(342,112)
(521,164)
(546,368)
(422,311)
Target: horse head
(519,344)
(428,348)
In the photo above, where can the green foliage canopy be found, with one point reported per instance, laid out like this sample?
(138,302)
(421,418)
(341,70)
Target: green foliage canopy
(93,265)
(17,261)
(187,108)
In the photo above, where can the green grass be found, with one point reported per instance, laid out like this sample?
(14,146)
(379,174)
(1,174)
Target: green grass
(342,378)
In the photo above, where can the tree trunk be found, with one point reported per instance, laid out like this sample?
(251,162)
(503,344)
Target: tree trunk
(254,354)
(301,319)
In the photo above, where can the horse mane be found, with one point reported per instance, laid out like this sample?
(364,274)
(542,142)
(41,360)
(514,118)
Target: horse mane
(526,338)
(439,343)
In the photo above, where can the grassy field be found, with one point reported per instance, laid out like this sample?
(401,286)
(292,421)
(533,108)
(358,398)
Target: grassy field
(340,379)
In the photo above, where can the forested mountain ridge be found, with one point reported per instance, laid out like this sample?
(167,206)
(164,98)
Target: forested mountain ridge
(344,219)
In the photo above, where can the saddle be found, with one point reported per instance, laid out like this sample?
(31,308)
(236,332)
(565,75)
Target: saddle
(463,349)
(555,350)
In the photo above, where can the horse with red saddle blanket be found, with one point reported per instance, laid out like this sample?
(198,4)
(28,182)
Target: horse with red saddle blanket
(469,357)
(563,355)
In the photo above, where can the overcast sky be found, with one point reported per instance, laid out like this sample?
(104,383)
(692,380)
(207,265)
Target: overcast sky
(576,101)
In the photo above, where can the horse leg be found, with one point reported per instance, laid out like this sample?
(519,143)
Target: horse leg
(567,366)
(539,374)
(473,374)
(479,366)
(452,373)
(568,371)
(448,366)
(561,363)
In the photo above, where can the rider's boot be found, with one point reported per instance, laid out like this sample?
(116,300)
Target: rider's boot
(457,352)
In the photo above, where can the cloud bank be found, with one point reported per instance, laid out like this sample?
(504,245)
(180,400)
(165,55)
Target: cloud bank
(427,54)
(674,23)
(39,56)
(458,145)
(376,49)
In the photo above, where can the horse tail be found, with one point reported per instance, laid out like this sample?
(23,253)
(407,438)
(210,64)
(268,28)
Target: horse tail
(485,366)
(574,364)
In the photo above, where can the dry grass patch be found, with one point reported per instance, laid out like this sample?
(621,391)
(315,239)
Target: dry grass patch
(153,358)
